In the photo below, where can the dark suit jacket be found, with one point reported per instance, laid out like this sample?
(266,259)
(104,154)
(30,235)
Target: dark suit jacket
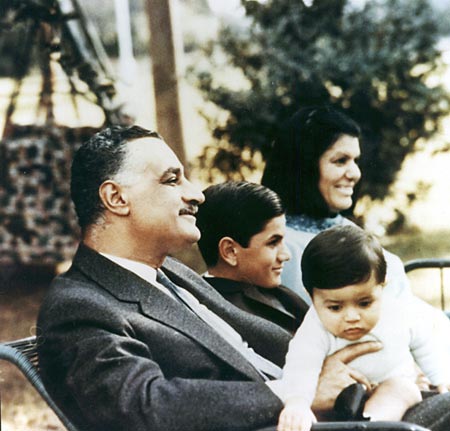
(280,305)
(119,354)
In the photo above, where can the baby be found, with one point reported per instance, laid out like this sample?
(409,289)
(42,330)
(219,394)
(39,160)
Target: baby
(344,271)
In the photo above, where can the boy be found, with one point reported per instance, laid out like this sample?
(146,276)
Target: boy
(242,228)
(344,271)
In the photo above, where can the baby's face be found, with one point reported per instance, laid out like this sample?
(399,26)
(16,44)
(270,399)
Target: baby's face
(349,312)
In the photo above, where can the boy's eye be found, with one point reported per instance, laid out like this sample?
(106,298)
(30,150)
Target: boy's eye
(365,304)
(334,307)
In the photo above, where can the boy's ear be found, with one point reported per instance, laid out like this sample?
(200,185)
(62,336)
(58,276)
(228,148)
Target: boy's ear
(114,198)
(228,250)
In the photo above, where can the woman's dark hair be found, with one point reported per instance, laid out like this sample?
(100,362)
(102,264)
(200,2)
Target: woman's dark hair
(292,169)
(235,209)
(342,256)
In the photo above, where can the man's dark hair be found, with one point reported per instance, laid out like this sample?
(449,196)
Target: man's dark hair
(292,170)
(342,256)
(235,209)
(97,160)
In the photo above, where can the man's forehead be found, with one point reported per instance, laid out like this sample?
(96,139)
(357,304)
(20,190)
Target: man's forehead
(153,151)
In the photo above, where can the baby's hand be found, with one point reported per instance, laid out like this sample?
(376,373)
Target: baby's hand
(296,416)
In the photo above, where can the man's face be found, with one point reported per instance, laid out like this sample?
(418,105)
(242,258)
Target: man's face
(162,202)
(349,312)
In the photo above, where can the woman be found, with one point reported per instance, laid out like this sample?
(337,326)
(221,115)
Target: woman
(314,169)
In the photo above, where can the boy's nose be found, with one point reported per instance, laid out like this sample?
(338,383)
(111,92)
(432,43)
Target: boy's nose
(284,253)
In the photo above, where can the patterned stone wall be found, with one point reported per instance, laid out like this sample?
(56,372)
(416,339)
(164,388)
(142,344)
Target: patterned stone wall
(37,220)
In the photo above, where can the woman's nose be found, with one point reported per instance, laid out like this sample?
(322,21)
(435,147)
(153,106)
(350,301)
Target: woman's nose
(353,172)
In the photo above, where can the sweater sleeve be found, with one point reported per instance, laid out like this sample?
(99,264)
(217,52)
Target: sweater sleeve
(307,352)
(427,345)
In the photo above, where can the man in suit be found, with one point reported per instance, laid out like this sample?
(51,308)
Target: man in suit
(242,229)
(125,340)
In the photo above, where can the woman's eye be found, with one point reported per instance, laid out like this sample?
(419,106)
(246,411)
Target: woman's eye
(341,161)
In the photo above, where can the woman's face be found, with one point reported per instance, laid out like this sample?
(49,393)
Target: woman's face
(339,173)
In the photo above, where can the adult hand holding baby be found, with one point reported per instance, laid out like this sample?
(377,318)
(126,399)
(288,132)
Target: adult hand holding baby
(336,375)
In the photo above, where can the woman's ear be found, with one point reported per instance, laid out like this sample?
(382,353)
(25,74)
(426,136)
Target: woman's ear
(228,250)
(114,198)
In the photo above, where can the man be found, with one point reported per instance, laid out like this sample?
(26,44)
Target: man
(242,228)
(121,349)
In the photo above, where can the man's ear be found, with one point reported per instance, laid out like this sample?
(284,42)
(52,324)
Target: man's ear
(114,198)
(228,250)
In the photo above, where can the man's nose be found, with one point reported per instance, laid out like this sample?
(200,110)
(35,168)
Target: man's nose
(193,193)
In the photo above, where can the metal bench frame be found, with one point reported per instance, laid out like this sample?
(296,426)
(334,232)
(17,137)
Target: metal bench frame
(23,354)
(437,263)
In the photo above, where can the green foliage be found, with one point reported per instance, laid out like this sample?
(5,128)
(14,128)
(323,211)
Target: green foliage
(372,62)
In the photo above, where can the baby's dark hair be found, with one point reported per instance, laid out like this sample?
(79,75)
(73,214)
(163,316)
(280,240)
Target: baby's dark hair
(342,256)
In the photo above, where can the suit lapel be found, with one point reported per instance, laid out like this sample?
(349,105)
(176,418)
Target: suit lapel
(253,293)
(266,337)
(157,305)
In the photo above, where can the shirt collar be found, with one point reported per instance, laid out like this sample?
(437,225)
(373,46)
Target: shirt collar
(142,270)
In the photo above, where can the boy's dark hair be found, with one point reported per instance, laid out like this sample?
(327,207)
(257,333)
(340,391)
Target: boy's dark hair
(342,256)
(97,160)
(235,209)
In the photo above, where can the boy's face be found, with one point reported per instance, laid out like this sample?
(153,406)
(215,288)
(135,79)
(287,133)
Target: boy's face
(262,261)
(349,312)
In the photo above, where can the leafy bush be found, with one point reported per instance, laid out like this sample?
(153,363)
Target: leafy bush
(375,62)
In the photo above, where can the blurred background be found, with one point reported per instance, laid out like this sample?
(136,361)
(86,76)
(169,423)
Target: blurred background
(216,78)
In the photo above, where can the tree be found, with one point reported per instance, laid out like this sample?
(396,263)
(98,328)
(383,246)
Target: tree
(374,62)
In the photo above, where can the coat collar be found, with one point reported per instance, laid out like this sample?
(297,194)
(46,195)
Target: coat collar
(251,291)
(128,287)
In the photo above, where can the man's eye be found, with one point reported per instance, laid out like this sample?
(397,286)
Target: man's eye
(171,180)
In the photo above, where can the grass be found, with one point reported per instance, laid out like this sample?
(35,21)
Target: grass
(20,298)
